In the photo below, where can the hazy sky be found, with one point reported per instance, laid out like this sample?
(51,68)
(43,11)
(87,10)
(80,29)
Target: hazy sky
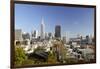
(73,20)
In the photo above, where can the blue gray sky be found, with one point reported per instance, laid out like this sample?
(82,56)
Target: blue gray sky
(73,20)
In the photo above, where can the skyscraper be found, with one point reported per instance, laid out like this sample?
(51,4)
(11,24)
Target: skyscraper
(58,31)
(67,36)
(50,35)
(64,39)
(18,34)
(42,31)
(34,34)
(25,36)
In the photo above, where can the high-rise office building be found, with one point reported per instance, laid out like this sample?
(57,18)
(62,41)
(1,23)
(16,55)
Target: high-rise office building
(26,36)
(64,39)
(42,30)
(58,31)
(34,34)
(46,35)
(18,34)
(50,35)
(67,36)
(87,39)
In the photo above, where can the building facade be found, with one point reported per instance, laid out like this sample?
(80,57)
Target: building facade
(42,30)
(18,35)
(57,31)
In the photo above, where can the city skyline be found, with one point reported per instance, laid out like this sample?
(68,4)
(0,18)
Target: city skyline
(72,20)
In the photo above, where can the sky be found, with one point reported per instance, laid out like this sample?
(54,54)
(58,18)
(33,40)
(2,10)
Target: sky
(73,20)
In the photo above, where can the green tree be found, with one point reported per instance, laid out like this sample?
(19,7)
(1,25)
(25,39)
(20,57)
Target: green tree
(19,56)
(52,59)
(39,48)
(28,62)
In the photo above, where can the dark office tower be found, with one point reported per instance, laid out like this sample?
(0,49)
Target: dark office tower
(25,36)
(58,31)
(49,35)
(87,39)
